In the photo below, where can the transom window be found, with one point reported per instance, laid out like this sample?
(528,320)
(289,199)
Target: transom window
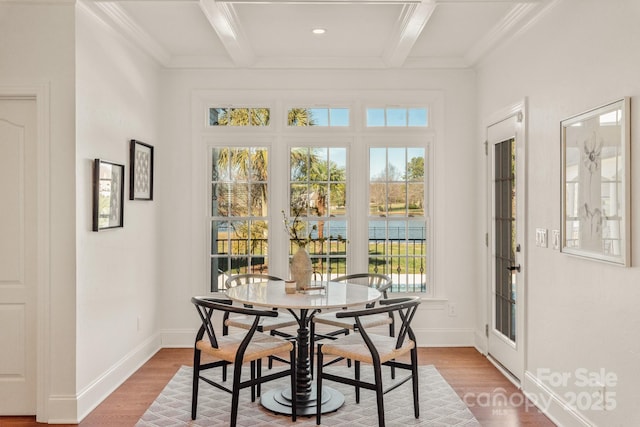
(242,116)
(397,117)
(322,117)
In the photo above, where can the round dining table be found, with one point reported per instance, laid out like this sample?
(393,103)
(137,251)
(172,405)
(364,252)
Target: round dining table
(321,295)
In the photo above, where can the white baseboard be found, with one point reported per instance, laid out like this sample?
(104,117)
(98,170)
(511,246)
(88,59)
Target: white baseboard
(92,395)
(550,404)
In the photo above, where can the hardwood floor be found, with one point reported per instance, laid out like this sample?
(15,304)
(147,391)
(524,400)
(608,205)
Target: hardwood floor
(470,374)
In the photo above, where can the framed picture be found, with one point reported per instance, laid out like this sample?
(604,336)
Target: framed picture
(141,171)
(596,184)
(108,195)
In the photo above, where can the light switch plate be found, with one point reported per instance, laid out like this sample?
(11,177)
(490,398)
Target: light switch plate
(541,237)
(555,239)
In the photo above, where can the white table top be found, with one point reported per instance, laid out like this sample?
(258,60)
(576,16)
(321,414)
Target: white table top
(335,295)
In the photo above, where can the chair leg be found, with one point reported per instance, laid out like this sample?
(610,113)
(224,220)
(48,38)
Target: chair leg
(235,394)
(414,370)
(225,331)
(377,373)
(196,381)
(392,333)
(259,375)
(252,370)
(319,386)
(346,332)
(357,377)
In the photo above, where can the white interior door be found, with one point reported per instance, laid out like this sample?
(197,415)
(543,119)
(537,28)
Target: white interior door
(18,242)
(506,152)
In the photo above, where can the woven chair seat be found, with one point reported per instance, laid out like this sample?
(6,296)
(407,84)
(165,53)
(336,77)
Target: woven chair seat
(261,345)
(368,321)
(353,347)
(266,323)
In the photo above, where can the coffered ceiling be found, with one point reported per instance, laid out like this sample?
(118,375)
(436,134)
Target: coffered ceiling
(358,33)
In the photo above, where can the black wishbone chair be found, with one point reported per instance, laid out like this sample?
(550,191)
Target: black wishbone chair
(236,349)
(342,326)
(376,350)
(272,325)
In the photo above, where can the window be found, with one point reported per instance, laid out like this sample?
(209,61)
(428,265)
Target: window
(239,210)
(397,117)
(239,116)
(322,117)
(358,189)
(318,196)
(397,220)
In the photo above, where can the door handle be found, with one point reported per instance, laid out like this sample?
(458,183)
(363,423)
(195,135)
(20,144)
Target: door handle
(514,267)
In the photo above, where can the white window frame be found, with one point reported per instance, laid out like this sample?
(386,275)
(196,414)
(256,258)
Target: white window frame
(410,139)
(278,137)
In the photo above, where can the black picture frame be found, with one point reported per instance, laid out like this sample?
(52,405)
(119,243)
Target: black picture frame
(108,195)
(140,171)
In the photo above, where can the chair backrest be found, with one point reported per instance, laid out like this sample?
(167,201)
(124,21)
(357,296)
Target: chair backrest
(405,307)
(381,282)
(206,306)
(238,279)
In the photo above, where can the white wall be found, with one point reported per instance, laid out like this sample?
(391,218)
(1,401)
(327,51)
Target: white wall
(117,272)
(183,254)
(581,314)
(37,50)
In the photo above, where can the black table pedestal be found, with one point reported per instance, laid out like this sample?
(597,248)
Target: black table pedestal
(279,400)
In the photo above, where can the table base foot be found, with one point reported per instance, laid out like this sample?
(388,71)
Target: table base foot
(279,401)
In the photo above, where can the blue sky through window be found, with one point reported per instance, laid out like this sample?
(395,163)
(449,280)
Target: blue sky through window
(329,117)
(397,117)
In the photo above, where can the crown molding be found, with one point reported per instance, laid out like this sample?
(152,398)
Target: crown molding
(518,20)
(200,62)
(42,2)
(114,16)
(434,63)
(223,18)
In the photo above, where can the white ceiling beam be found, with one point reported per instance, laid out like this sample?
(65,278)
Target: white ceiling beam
(410,24)
(226,24)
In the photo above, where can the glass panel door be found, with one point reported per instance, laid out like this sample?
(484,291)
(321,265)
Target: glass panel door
(505,238)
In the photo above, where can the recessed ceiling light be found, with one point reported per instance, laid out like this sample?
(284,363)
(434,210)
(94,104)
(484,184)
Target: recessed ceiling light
(318,31)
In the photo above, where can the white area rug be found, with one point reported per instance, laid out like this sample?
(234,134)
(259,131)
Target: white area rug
(439,404)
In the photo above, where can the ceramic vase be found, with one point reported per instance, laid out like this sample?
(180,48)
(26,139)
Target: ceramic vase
(301,268)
